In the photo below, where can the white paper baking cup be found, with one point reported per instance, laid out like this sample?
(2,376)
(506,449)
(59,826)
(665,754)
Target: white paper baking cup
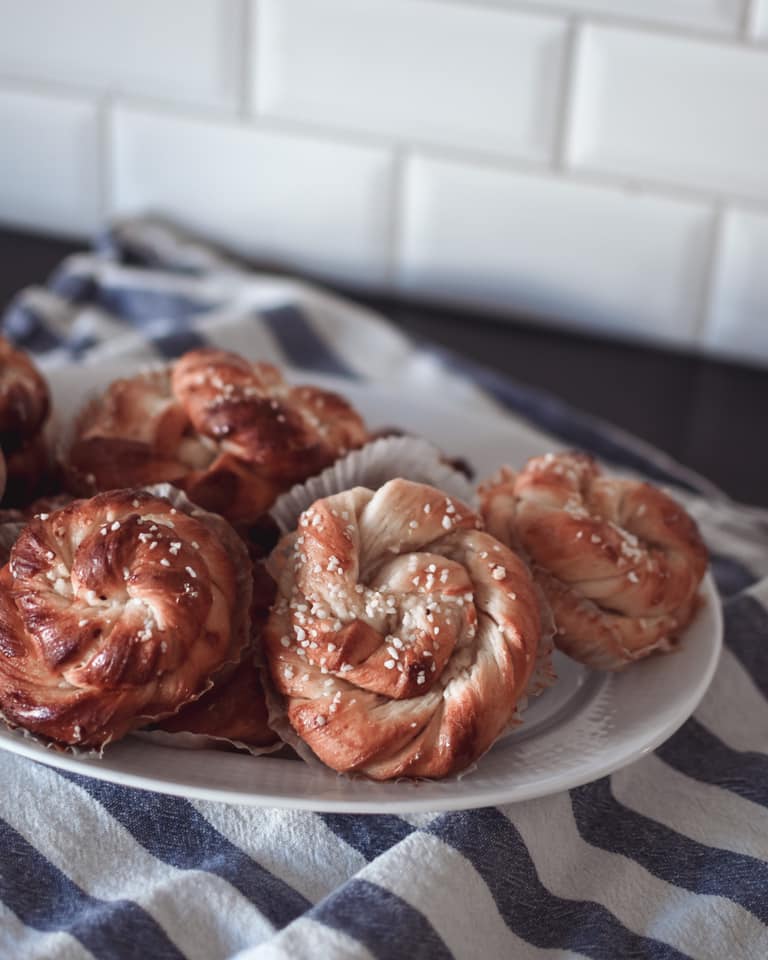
(411,458)
(186,740)
(202,741)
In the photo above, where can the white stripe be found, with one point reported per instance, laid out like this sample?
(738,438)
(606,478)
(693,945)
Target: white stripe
(376,349)
(441,883)
(734,531)
(107,273)
(366,343)
(77,835)
(645,904)
(93,321)
(250,338)
(734,709)
(705,813)
(57,312)
(131,346)
(306,939)
(419,820)
(20,942)
(295,846)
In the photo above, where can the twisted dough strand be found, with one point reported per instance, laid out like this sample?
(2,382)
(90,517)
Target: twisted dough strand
(403,636)
(114,611)
(619,560)
(231,433)
(24,397)
(24,407)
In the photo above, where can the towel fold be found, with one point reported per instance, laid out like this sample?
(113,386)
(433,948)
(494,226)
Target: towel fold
(667,858)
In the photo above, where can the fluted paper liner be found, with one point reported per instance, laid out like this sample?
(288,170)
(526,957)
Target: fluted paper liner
(411,458)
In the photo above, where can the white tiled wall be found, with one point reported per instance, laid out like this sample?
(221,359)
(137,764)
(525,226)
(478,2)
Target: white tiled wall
(738,323)
(490,81)
(300,201)
(760,20)
(605,242)
(602,164)
(49,161)
(671,109)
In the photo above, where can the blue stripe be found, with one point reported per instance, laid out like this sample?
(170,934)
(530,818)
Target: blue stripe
(730,576)
(556,417)
(497,851)
(135,306)
(173,344)
(746,636)
(112,244)
(44,898)
(174,832)
(27,329)
(699,754)
(390,928)
(301,344)
(607,824)
(369,835)
(78,346)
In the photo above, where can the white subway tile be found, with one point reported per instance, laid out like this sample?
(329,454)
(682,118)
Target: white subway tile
(723,16)
(738,322)
(685,111)
(759,23)
(601,258)
(428,72)
(185,50)
(49,173)
(290,199)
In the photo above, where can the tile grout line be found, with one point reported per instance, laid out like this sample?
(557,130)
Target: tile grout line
(707,294)
(398,201)
(106,157)
(68,90)
(730,36)
(747,20)
(566,93)
(248,27)
(515,164)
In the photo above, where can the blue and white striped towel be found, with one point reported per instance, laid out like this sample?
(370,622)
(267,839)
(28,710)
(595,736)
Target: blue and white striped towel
(667,858)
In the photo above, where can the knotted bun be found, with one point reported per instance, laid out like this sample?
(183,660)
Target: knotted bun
(619,560)
(403,637)
(24,397)
(24,408)
(231,433)
(115,611)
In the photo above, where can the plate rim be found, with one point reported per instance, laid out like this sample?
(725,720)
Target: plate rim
(18,744)
(455,798)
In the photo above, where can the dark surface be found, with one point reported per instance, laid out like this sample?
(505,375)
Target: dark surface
(712,416)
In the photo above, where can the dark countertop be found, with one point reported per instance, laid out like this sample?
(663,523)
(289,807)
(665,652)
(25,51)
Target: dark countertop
(708,414)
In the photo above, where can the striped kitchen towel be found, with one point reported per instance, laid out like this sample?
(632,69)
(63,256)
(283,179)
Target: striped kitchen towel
(668,858)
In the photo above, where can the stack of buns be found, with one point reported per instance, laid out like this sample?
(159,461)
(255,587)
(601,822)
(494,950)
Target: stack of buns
(392,630)
(24,409)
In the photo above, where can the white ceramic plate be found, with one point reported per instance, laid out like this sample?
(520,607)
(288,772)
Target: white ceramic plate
(584,727)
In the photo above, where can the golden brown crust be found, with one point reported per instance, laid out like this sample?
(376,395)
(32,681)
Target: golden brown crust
(29,473)
(403,636)
(234,709)
(24,407)
(24,398)
(231,433)
(115,611)
(619,561)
